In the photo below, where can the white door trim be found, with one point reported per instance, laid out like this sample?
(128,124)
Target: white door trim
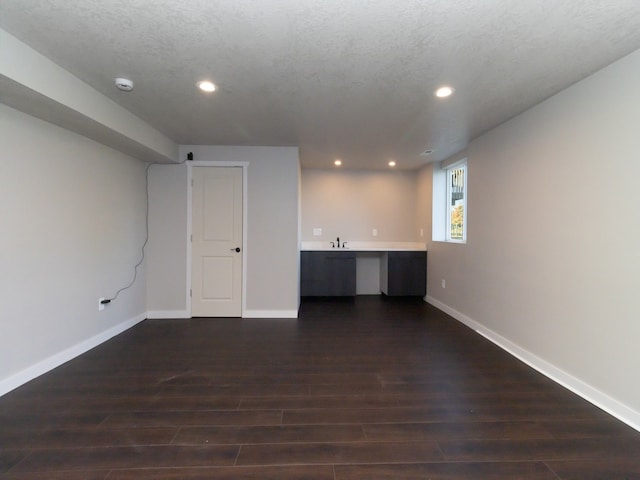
(212,163)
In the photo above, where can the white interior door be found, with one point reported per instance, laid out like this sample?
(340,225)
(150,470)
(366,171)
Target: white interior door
(216,256)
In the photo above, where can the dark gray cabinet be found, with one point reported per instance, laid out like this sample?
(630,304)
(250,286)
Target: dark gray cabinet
(404,273)
(327,274)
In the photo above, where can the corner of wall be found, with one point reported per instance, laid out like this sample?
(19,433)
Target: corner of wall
(598,398)
(48,364)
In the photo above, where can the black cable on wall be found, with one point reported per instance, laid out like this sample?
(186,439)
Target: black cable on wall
(146,229)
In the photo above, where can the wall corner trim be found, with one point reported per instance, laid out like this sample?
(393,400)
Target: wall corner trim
(598,398)
(167,314)
(270,314)
(16,380)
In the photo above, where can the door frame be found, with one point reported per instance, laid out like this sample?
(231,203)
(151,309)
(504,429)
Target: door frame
(214,164)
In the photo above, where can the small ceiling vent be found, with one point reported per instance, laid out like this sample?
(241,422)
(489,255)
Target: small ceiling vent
(426,153)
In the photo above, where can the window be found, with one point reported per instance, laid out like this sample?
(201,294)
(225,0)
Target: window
(456,203)
(450,202)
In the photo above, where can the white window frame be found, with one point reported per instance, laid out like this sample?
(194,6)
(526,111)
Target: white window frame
(441,200)
(463,202)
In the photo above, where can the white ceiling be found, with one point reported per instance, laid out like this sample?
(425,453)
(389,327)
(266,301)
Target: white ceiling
(340,78)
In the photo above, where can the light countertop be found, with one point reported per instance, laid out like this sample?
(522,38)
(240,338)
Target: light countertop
(325,246)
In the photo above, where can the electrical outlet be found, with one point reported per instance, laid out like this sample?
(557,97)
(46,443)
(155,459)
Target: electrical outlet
(422,232)
(374,232)
(317,232)
(100,304)
(444,283)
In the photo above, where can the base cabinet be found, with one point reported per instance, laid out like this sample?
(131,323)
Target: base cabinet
(333,273)
(404,274)
(327,274)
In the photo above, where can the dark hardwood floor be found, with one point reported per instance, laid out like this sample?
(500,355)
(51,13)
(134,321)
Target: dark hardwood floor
(370,388)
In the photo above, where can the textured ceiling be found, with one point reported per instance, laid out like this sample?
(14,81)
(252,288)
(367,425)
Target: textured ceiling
(340,78)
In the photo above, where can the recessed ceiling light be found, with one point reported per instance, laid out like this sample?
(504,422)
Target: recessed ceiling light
(206,86)
(444,91)
(392,163)
(338,162)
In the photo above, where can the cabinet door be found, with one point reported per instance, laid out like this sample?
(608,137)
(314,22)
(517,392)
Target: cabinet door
(407,274)
(340,274)
(311,273)
(327,274)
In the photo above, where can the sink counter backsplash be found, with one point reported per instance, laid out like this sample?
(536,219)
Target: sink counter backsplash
(365,246)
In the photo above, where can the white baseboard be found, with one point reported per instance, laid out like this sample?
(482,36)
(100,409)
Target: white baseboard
(600,399)
(270,314)
(168,314)
(48,364)
(164,314)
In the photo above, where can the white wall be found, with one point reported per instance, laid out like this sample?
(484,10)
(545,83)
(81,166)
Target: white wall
(72,215)
(551,267)
(272,237)
(350,204)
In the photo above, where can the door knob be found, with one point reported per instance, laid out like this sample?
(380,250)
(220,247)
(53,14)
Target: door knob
(237,249)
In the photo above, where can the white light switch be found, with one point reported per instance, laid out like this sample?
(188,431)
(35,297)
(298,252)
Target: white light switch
(317,232)
(374,232)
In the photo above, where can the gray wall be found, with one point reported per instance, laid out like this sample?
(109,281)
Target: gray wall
(424,184)
(166,250)
(72,215)
(272,236)
(350,204)
(551,267)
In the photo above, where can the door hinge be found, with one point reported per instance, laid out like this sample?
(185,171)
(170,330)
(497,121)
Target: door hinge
(191,238)
(190,293)
(192,182)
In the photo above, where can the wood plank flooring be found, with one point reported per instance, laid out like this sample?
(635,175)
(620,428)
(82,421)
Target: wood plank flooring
(371,388)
